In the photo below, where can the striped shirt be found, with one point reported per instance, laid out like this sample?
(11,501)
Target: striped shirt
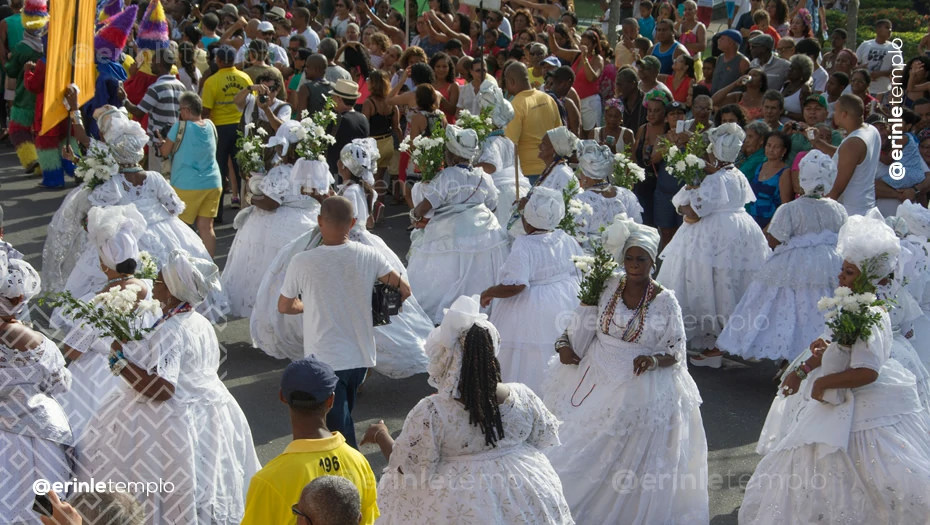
(162,103)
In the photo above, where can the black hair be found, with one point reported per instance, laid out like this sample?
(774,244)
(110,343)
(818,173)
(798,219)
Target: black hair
(210,21)
(186,52)
(919,101)
(734,109)
(421,73)
(843,79)
(453,44)
(193,34)
(128,266)
(269,77)
(481,372)
(357,58)
(571,16)
(260,9)
(785,141)
(698,90)
(909,116)
(450,76)
(304,53)
(842,32)
(809,47)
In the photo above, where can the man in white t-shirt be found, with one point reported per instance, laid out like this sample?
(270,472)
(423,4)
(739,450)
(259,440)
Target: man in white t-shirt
(301,26)
(879,56)
(856,157)
(331,286)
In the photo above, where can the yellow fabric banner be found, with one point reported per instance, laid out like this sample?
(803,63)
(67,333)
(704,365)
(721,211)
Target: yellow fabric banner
(68,52)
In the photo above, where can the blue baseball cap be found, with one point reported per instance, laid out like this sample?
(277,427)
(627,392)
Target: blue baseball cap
(226,53)
(313,379)
(734,35)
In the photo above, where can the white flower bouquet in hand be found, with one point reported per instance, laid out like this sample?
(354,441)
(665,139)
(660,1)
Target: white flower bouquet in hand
(148,268)
(250,146)
(686,165)
(315,141)
(480,123)
(116,313)
(427,153)
(626,172)
(97,166)
(849,315)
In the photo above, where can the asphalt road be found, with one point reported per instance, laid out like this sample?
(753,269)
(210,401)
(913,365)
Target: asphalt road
(736,398)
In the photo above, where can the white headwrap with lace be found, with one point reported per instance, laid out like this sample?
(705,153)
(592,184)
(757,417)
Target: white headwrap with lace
(17,279)
(189,278)
(289,133)
(917,218)
(444,344)
(502,112)
(870,244)
(728,141)
(125,137)
(817,173)
(462,142)
(115,232)
(624,234)
(564,142)
(545,208)
(360,157)
(596,161)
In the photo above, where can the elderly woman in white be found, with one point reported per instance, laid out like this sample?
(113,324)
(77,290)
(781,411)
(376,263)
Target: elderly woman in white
(630,411)
(917,220)
(498,154)
(172,418)
(846,439)
(460,249)
(538,289)
(472,452)
(714,256)
(34,430)
(400,343)
(114,233)
(778,317)
(280,211)
(606,201)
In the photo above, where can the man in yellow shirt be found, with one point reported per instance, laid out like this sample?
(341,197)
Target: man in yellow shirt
(535,113)
(219,92)
(308,387)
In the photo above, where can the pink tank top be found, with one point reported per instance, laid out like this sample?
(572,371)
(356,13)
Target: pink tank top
(583,86)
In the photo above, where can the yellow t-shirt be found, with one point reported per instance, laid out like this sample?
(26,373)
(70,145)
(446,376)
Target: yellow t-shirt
(276,488)
(535,113)
(218,93)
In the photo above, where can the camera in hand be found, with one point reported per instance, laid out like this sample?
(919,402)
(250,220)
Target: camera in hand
(42,505)
(263,99)
(385,302)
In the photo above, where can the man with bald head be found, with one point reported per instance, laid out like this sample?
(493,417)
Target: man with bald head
(535,113)
(331,286)
(314,89)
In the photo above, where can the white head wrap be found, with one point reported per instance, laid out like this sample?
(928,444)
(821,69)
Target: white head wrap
(870,244)
(899,226)
(917,218)
(545,209)
(563,141)
(115,232)
(596,161)
(360,157)
(444,344)
(462,142)
(17,279)
(125,137)
(502,113)
(817,173)
(189,278)
(728,141)
(624,234)
(289,133)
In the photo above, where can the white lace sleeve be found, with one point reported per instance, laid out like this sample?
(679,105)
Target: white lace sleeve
(634,209)
(872,354)
(673,340)
(356,194)
(781,226)
(82,338)
(710,196)
(492,193)
(517,267)
(435,190)
(107,194)
(491,154)
(58,378)
(682,198)
(545,431)
(276,184)
(165,193)
(160,354)
(417,447)
(66,239)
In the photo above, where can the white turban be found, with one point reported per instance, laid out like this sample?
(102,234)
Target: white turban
(917,218)
(502,114)
(817,173)
(115,232)
(870,244)
(596,161)
(189,278)
(361,158)
(289,133)
(728,141)
(125,137)
(624,234)
(545,208)
(17,279)
(899,225)
(462,142)
(563,141)
(444,344)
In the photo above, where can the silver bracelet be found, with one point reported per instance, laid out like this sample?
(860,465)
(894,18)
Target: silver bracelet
(655,362)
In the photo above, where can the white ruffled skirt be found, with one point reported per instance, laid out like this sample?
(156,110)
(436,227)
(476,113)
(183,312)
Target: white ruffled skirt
(23,460)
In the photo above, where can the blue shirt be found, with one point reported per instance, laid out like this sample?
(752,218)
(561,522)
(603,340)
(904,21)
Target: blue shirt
(647,27)
(914,166)
(194,165)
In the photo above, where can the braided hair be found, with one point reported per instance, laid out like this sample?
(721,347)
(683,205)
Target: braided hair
(481,372)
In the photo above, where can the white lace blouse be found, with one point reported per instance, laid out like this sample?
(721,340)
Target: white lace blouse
(28,382)
(155,199)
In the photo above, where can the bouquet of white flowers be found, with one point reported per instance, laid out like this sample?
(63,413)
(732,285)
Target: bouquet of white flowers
(686,165)
(97,166)
(626,172)
(595,270)
(480,123)
(427,153)
(116,313)
(575,211)
(848,315)
(315,142)
(147,269)
(250,149)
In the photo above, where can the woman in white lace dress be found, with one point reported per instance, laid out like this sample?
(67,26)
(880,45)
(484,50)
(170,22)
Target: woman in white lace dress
(917,219)
(629,411)
(778,317)
(400,343)
(596,163)
(113,233)
(863,456)
(279,213)
(461,248)
(714,256)
(538,290)
(172,418)
(472,452)
(498,156)
(151,194)
(34,431)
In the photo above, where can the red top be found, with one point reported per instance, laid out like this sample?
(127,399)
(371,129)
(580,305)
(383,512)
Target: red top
(450,118)
(584,87)
(680,94)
